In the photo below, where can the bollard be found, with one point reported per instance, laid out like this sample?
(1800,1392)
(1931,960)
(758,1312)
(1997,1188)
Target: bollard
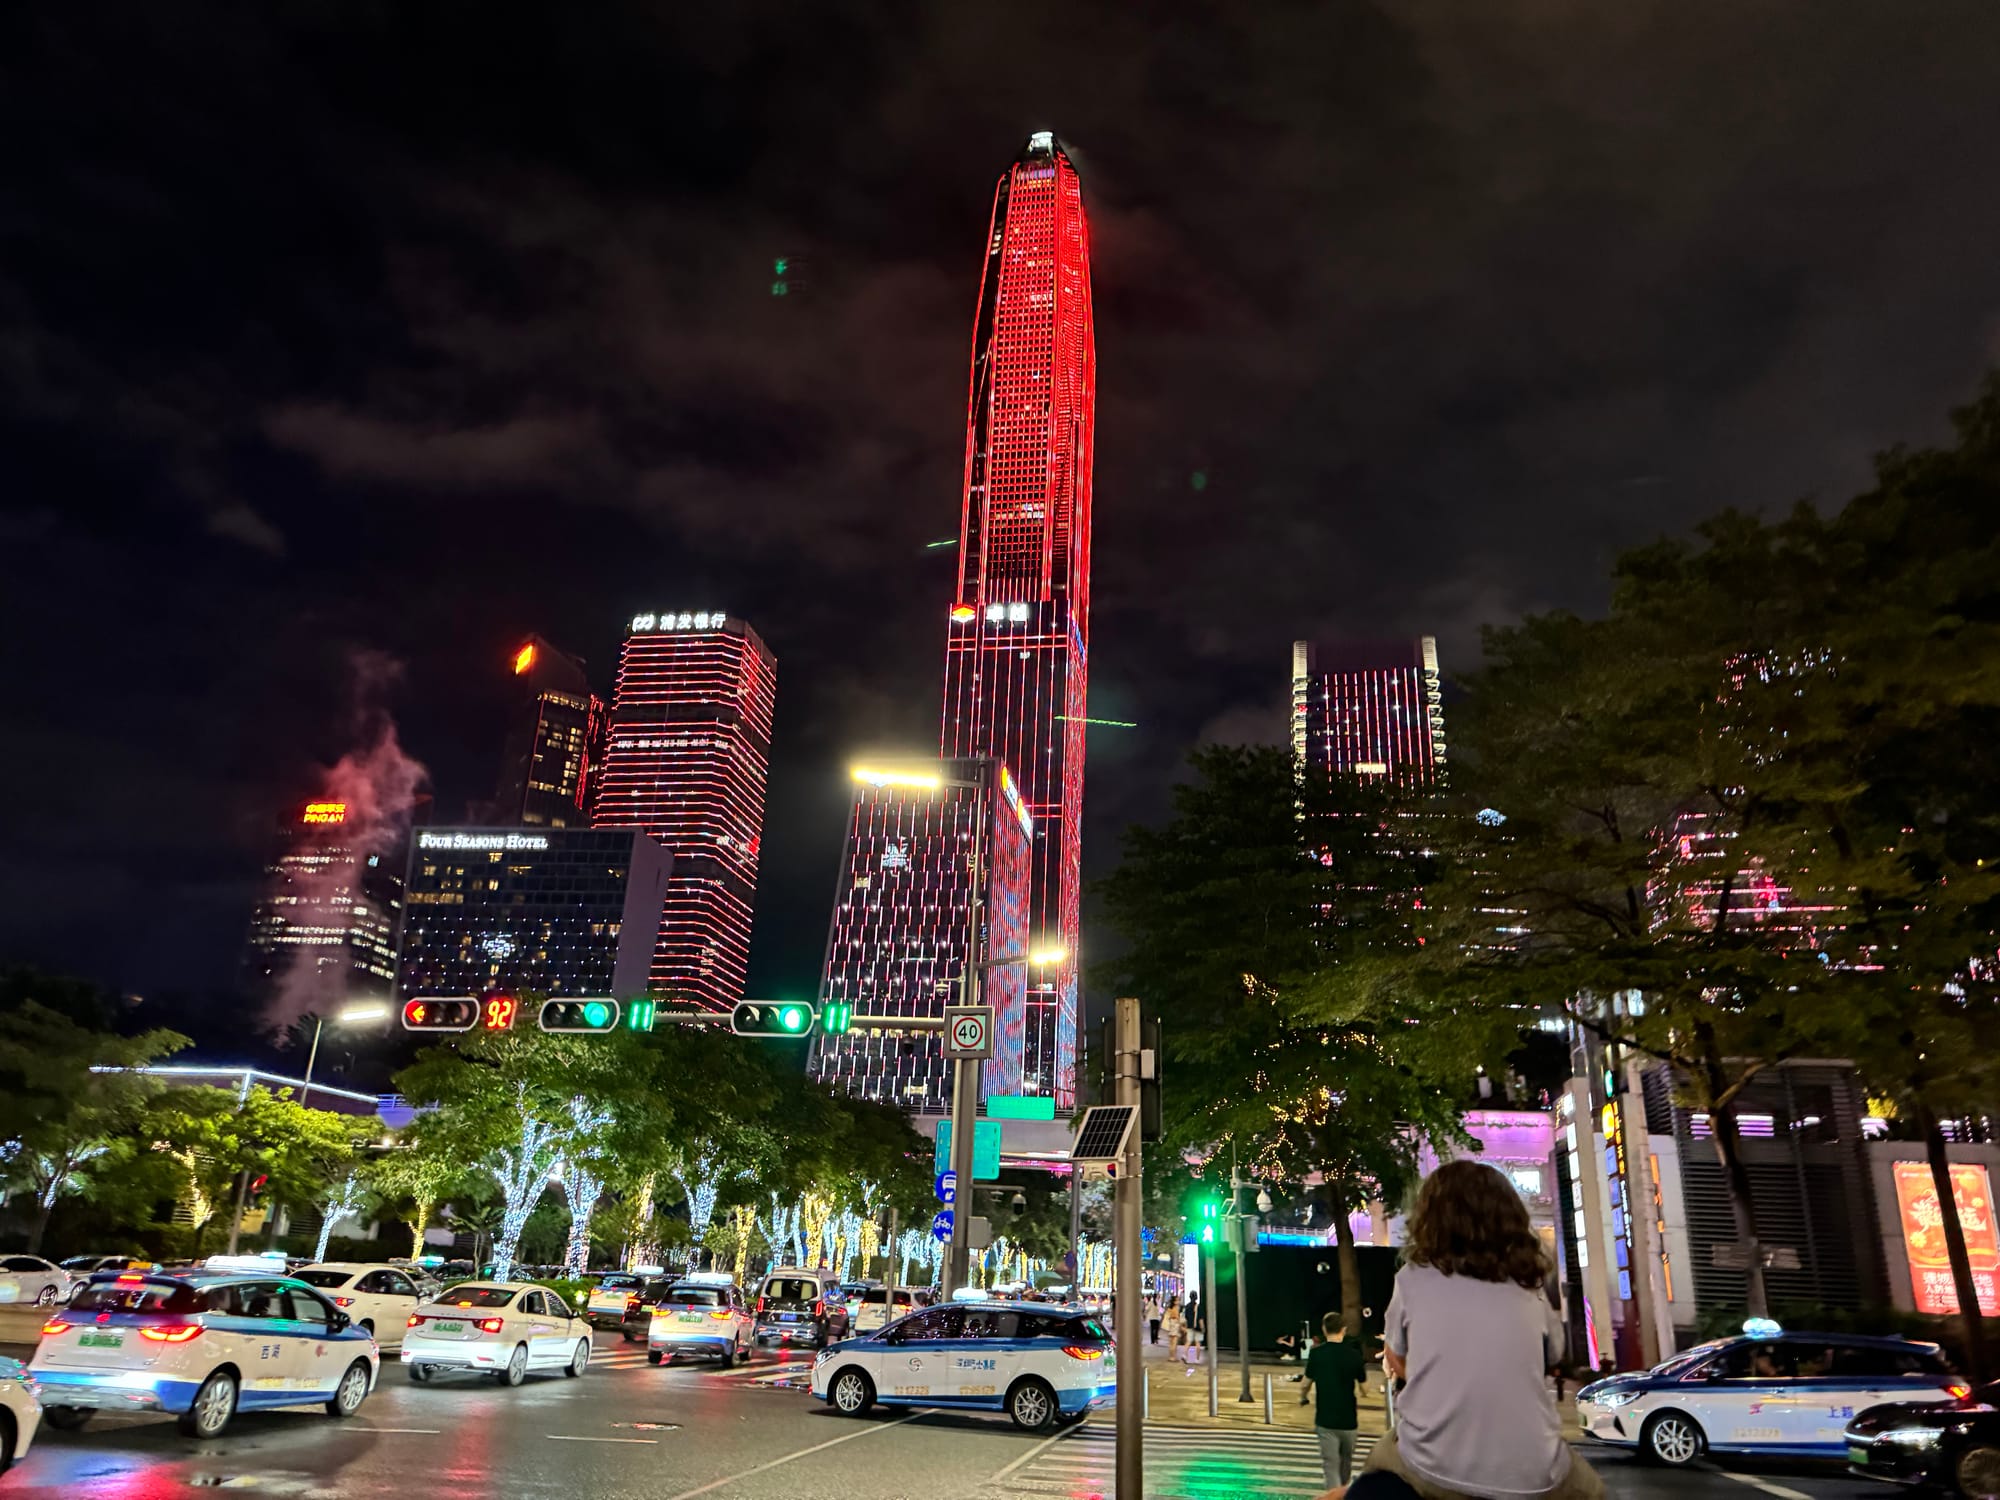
(1269,1413)
(1211,1390)
(1146,1400)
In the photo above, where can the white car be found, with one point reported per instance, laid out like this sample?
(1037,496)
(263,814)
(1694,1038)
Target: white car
(29,1278)
(20,1412)
(203,1345)
(700,1317)
(613,1299)
(498,1328)
(872,1311)
(378,1298)
(1041,1365)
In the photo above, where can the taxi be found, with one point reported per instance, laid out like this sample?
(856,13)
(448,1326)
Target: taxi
(1040,1365)
(1766,1392)
(500,1328)
(203,1345)
(614,1297)
(20,1412)
(700,1315)
(378,1297)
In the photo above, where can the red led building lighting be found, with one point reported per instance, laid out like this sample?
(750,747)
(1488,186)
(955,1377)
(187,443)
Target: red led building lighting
(689,749)
(1019,625)
(1369,708)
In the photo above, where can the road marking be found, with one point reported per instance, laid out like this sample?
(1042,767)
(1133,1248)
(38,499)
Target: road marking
(774,1463)
(1032,1453)
(561,1437)
(423,1431)
(1757,1481)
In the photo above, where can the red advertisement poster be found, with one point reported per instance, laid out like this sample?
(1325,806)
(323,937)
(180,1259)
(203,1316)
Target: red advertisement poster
(1923,1235)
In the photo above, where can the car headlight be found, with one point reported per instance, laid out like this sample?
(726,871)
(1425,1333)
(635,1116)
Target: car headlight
(825,1354)
(1615,1398)
(1912,1437)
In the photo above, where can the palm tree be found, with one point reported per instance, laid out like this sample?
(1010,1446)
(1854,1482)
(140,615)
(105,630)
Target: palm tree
(482,1222)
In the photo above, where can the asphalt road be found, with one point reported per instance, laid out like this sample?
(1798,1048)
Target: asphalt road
(629,1430)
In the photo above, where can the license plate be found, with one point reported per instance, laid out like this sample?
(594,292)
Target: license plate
(451,1328)
(1856,1454)
(102,1341)
(690,1317)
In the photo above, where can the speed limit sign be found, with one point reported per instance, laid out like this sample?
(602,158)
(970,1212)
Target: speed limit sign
(968,1031)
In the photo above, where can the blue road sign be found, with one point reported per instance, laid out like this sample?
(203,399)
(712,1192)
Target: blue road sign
(941,1225)
(947,1187)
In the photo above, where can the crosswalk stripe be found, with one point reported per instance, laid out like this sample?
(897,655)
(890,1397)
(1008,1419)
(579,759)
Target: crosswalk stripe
(1188,1463)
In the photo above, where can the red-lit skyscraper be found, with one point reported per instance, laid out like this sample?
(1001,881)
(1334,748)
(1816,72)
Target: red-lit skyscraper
(689,747)
(1019,629)
(1369,708)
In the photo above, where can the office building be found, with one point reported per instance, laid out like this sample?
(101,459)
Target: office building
(325,928)
(937,860)
(1019,625)
(1369,708)
(555,739)
(530,911)
(685,761)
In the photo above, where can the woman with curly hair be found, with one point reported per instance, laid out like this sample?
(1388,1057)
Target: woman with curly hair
(1472,1334)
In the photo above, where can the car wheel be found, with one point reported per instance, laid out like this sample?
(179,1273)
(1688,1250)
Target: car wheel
(851,1393)
(67,1418)
(214,1405)
(1978,1472)
(626,1334)
(743,1354)
(578,1360)
(653,1356)
(517,1367)
(47,1296)
(1671,1439)
(420,1373)
(6,1440)
(1033,1406)
(351,1392)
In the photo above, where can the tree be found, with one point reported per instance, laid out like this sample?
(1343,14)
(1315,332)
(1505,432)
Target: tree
(417,1174)
(1269,927)
(343,1200)
(67,1126)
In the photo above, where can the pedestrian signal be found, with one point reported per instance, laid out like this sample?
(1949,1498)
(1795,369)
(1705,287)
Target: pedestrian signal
(778,1018)
(639,1013)
(579,1015)
(836,1019)
(440,1015)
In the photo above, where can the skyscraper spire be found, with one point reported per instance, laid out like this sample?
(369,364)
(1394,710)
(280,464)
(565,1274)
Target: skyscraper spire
(1019,629)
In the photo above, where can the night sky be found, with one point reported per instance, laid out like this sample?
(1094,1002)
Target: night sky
(390,332)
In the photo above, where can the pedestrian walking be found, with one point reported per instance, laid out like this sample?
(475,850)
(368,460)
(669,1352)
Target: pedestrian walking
(1472,1338)
(1195,1321)
(1152,1320)
(1176,1331)
(1335,1371)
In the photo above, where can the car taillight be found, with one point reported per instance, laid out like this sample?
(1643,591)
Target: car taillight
(130,1280)
(1083,1351)
(178,1334)
(416,1320)
(760,1304)
(630,1303)
(819,1308)
(55,1325)
(721,1314)
(343,1302)
(1958,1390)
(492,1325)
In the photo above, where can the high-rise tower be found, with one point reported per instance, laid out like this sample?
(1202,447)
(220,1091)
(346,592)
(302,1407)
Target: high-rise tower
(1019,631)
(1369,708)
(689,748)
(555,738)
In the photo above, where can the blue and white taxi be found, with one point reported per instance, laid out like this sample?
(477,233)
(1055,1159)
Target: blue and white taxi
(702,1315)
(1040,1365)
(203,1345)
(1765,1392)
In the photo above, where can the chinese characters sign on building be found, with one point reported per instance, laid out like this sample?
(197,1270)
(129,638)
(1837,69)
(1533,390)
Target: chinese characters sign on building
(1923,1235)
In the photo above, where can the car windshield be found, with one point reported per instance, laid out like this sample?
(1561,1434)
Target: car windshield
(876,1296)
(478,1296)
(140,1297)
(620,1281)
(323,1278)
(691,1296)
(791,1289)
(80,1262)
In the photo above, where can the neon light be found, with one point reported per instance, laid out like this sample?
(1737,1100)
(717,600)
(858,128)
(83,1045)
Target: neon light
(524,659)
(949,541)
(1101,723)
(477,841)
(922,780)
(325,812)
(962,613)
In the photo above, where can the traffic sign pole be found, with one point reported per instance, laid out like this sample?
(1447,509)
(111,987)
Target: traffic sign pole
(1129,1317)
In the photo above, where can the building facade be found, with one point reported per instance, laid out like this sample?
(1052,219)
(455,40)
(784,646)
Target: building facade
(685,761)
(551,912)
(937,863)
(1369,708)
(1016,663)
(555,740)
(326,924)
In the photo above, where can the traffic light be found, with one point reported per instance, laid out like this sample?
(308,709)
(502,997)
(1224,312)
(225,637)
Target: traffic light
(579,1015)
(639,1013)
(1209,1213)
(440,1015)
(836,1019)
(498,1013)
(779,1018)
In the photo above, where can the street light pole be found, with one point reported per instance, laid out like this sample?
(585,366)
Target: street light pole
(1239,1225)
(1129,1321)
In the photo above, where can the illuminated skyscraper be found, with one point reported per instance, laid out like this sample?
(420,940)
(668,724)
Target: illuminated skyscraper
(687,754)
(326,925)
(555,738)
(925,842)
(1019,630)
(1369,708)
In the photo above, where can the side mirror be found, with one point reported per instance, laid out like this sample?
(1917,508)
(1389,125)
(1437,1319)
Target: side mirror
(339,1322)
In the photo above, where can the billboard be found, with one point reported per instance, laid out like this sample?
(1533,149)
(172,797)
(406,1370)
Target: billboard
(1923,1235)
(1007,917)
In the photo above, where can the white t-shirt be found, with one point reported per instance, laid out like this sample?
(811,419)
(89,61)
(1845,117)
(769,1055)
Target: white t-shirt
(1476,1415)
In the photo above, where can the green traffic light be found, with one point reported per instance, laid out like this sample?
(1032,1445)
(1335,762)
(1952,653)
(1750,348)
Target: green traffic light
(834,1020)
(792,1018)
(639,1015)
(597,1013)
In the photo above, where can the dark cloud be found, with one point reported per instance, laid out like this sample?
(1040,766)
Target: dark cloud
(414,329)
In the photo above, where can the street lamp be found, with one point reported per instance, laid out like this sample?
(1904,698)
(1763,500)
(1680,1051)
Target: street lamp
(359,1013)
